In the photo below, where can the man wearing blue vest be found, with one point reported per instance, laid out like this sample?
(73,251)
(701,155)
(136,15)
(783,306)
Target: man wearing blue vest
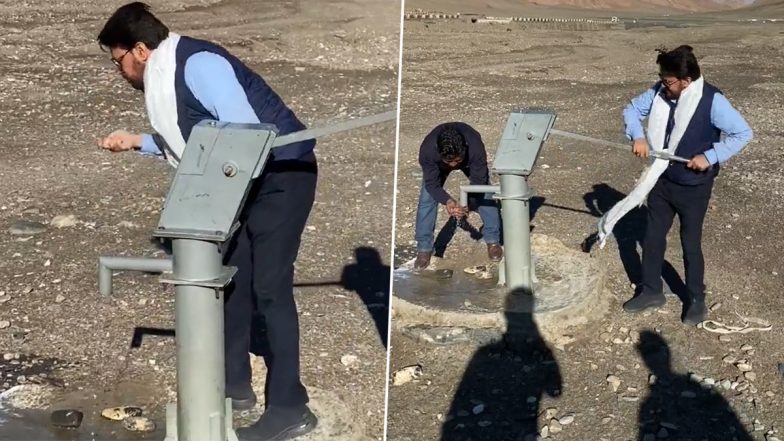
(686,116)
(186,81)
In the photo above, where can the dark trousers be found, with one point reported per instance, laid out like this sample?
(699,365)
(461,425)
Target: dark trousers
(260,314)
(689,202)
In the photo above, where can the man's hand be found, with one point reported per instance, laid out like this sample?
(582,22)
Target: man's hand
(120,141)
(699,163)
(640,148)
(455,210)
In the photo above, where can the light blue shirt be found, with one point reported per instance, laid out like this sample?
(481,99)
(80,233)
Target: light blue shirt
(723,116)
(212,81)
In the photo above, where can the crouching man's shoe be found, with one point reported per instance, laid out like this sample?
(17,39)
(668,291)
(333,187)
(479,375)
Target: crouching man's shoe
(495,252)
(422,260)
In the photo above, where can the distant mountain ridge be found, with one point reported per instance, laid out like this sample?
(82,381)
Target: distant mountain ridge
(680,5)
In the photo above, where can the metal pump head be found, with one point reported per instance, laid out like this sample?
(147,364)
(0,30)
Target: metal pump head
(522,140)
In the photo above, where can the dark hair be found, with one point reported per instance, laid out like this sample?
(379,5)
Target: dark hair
(679,62)
(451,144)
(131,24)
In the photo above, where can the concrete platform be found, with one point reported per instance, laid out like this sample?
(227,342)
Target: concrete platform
(569,294)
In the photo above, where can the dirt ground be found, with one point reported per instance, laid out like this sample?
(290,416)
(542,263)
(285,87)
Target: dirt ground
(329,60)
(455,70)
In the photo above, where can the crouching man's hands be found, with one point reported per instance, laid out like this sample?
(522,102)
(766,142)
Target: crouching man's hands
(456,210)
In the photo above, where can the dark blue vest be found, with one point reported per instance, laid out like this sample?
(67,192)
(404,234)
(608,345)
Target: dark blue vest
(268,106)
(699,137)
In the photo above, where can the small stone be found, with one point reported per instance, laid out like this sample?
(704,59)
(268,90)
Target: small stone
(555,426)
(8,356)
(479,408)
(746,347)
(751,376)
(726,384)
(663,433)
(742,386)
(64,221)
(138,424)
(121,413)
(127,224)
(606,420)
(652,379)
(544,432)
(770,394)
(617,341)
(631,398)
(484,423)
(709,381)
(743,367)
(725,338)
(715,306)
(26,228)
(406,374)
(566,419)
(614,382)
(688,394)
(729,359)
(349,359)
(462,413)
(758,427)
(67,418)
(59,299)
(623,330)
(669,425)
(4,324)
(550,413)
(695,377)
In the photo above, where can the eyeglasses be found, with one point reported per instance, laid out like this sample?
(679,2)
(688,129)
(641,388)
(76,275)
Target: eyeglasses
(667,84)
(118,61)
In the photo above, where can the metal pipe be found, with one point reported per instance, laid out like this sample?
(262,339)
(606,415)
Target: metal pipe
(198,318)
(515,195)
(465,189)
(107,264)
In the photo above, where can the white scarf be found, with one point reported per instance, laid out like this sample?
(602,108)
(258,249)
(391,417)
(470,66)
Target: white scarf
(657,128)
(160,96)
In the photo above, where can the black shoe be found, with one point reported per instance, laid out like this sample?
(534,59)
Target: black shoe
(241,398)
(695,312)
(278,424)
(644,301)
